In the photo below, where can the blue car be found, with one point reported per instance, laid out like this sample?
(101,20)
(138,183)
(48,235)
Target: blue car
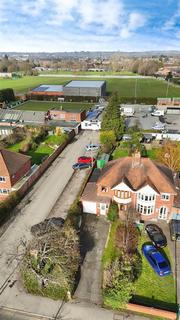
(157,261)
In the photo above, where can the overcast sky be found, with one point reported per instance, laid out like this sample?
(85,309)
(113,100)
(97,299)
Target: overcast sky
(94,25)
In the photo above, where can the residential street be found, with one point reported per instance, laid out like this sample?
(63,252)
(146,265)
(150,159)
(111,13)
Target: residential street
(38,203)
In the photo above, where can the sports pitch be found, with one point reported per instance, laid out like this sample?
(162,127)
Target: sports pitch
(46,105)
(145,88)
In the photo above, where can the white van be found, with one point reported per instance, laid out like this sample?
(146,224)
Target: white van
(158,113)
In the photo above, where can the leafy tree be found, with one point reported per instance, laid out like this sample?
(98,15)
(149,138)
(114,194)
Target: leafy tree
(112,119)
(108,138)
(169,155)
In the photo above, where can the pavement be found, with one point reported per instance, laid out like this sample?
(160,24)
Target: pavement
(93,237)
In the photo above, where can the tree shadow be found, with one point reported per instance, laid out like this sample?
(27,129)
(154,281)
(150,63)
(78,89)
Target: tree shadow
(151,302)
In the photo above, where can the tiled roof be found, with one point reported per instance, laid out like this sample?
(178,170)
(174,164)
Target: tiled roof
(148,172)
(90,194)
(13,160)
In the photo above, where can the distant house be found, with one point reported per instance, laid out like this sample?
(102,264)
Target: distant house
(171,106)
(135,183)
(13,166)
(64,115)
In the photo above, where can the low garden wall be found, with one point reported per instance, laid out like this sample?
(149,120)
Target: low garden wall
(151,311)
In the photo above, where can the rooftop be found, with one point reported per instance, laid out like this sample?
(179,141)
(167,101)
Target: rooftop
(13,160)
(48,88)
(84,84)
(137,173)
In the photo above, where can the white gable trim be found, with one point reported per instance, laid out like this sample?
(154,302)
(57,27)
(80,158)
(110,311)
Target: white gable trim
(122,187)
(147,190)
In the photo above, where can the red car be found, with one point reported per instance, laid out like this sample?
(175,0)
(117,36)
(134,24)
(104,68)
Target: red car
(85,160)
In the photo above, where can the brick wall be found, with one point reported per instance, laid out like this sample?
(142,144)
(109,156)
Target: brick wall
(68,116)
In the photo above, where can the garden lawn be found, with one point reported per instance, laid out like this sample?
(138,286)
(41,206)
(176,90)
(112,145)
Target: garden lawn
(111,251)
(153,290)
(15,147)
(46,105)
(41,152)
(119,153)
(152,154)
(55,140)
(124,87)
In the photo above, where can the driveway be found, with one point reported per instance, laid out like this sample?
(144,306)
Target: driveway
(37,205)
(93,239)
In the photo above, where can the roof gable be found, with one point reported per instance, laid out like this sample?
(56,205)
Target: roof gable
(13,160)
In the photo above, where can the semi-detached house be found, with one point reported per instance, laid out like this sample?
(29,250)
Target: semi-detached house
(136,183)
(13,166)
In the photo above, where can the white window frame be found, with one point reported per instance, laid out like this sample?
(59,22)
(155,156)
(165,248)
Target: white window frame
(165,196)
(4,191)
(2,179)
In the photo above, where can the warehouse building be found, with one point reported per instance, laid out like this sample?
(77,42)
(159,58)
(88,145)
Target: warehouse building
(86,88)
(45,91)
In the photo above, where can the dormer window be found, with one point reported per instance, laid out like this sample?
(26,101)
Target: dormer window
(165,196)
(104,189)
(2,179)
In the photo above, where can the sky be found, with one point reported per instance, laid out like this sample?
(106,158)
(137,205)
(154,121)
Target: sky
(89,25)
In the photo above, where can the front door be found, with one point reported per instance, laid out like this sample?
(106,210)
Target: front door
(162,213)
(102,208)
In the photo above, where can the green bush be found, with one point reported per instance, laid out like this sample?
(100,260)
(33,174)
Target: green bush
(113,212)
(8,205)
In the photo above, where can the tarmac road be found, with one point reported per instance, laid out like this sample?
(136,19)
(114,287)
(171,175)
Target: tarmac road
(37,205)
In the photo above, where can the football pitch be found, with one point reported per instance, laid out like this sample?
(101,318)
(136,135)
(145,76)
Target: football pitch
(46,105)
(145,88)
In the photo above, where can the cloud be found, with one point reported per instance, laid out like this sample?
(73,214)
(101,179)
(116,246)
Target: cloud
(135,21)
(173,20)
(33,7)
(107,13)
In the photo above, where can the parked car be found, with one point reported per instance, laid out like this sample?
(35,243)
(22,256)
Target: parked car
(84,159)
(46,226)
(174,226)
(157,261)
(156,235)
(158,126)
(92,147)
(80,166)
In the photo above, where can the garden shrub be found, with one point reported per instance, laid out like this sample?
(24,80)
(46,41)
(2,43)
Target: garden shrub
(113,212)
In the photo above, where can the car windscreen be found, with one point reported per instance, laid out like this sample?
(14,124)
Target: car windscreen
(163,264)
(158,237)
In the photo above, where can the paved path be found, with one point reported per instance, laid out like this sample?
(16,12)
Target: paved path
(38,204)
(93,237)
(95,76)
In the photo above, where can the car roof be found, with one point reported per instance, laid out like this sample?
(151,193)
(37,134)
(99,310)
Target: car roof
(157,256)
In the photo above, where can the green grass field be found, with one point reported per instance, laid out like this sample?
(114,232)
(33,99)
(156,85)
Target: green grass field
(125,87)
(89,73)
(46,105)
(153,290)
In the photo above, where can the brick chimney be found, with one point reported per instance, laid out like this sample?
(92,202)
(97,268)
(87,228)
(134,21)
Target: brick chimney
(136,159)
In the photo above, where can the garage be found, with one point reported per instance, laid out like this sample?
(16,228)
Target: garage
(89,207)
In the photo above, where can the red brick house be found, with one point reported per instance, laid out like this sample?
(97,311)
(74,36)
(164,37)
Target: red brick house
(138,183)
(13,166)
(75,116)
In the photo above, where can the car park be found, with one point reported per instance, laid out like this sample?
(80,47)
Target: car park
(80,166)
(174,226)
(84,159)
(92,147)
(156,259)
(156,235)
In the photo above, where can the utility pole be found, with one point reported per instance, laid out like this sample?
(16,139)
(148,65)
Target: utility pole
(167,88)
(135,93)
